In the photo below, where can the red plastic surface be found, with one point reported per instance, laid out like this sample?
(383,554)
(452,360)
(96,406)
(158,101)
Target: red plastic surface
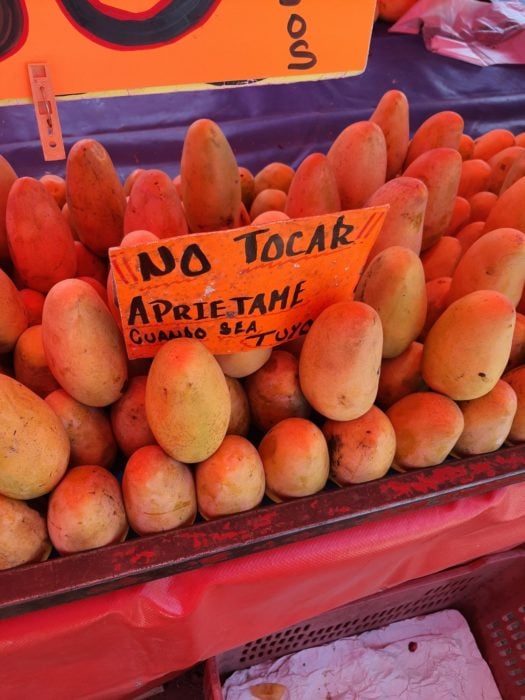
(141,559)
(118,644)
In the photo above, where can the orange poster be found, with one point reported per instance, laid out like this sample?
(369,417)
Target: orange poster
(121,46)
(244,288)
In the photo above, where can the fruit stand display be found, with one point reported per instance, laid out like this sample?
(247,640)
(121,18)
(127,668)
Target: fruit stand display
(171,502)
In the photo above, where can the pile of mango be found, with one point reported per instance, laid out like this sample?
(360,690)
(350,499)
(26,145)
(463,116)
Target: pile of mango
(426,362)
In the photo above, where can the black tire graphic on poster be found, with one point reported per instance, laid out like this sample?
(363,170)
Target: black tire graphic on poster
(168,22)
(13,26)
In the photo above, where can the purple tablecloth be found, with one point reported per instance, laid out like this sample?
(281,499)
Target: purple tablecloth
(276,122)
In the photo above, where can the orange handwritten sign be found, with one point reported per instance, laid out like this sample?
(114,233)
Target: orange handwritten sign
(120,46)
(244,288)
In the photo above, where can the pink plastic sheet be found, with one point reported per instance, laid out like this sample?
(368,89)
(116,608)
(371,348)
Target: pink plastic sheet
(118,645)
(476,32)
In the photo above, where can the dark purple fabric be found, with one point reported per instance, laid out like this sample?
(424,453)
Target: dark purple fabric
(276,122)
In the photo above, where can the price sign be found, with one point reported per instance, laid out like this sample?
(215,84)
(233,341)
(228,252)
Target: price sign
(122,46)
(244,288)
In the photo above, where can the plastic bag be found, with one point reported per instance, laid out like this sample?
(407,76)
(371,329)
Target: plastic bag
(476,32)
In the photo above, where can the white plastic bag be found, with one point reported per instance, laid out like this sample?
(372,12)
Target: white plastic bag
(469,30)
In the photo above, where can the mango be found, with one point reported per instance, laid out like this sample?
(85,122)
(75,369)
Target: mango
(440,170)
(295,458)
(86,511)
(30,364)
(475,176)
(34,303)
(361,449)
(358,159)
(247,186)
(468,347)
(23,534)
(128,417)
(274,176)
(392,115)
(500,165)
(517,350)
(13,316)
(88,430)
(392,10)
(83,345)
(34,447)
(40,241)
(274,392)
(488,420)
(243,363)
(99,288)
(240,417)
(340,360)
(268,200)
(187,403)
(509,212)
(480,205)
(95,196)
(407,198)
(442,258)
(470,233)
(56,186)
(427,426)
(231,480)
(466,146)
(515,172)
(516,379)
(210,181)
(437,301)
(461,212)
(492,142)
(159,492)
(130,180)
(313,190)
(495,261)
(441,130)
(154,205)
(400,376)
(394,285)
(89,264)
(268,217)
(7,178)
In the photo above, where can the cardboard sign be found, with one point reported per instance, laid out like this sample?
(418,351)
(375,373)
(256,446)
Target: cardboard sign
(121,46)
(243,288)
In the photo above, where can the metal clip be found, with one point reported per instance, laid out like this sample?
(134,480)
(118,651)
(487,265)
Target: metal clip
(46,112)
(47,109)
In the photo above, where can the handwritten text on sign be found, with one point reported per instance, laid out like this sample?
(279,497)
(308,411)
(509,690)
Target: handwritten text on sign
(244,288)
(94,46)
